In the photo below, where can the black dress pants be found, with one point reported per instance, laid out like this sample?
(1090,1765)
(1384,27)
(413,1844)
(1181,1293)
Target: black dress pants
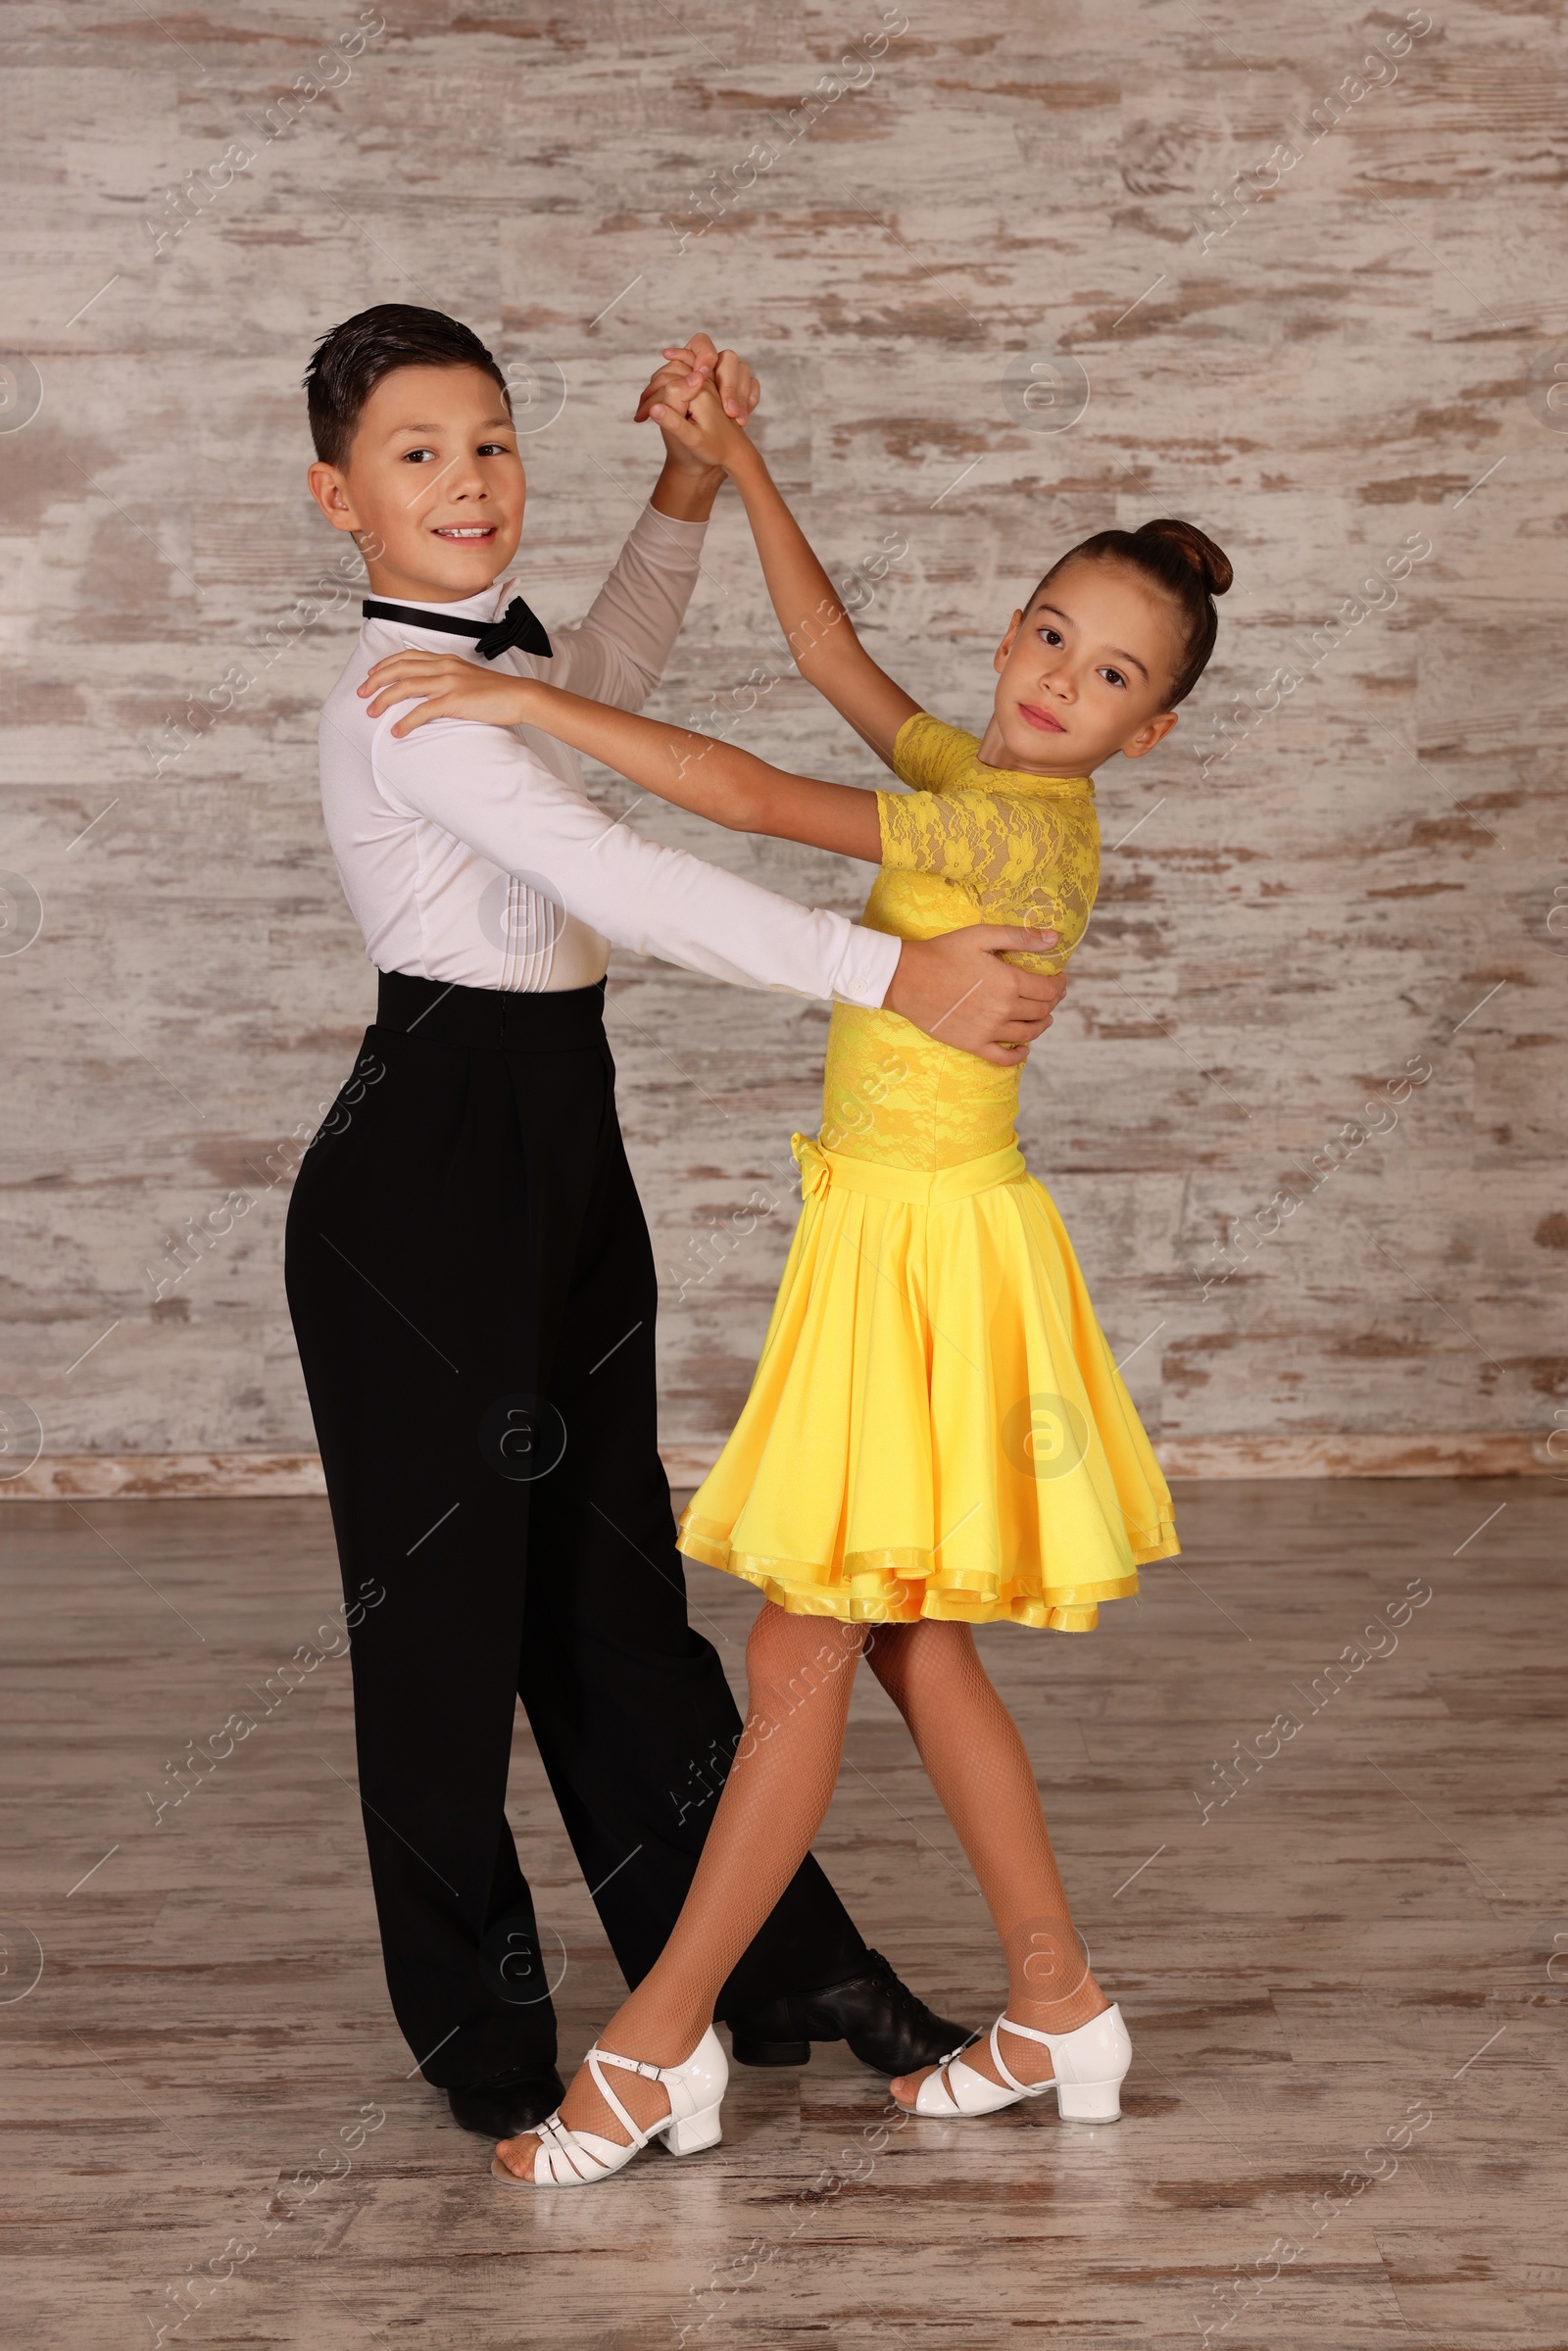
(473,1294)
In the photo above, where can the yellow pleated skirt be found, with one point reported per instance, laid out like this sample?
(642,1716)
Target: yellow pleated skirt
(936,1427)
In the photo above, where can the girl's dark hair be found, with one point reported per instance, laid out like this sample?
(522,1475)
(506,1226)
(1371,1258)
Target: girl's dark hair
(1182,561)
(349,363)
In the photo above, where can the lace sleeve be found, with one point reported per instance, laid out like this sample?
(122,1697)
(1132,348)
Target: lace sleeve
(928,752)
(1016,857)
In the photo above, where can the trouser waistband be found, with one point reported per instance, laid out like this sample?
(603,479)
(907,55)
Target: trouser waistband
(440,1012)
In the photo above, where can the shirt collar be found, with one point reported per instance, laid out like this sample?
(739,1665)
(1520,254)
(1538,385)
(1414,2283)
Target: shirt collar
(484,606)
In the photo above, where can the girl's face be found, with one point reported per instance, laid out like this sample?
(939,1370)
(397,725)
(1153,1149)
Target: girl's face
(1087,670)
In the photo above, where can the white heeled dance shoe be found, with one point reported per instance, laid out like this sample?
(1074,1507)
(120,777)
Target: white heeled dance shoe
(1088,2067)
(568,2158)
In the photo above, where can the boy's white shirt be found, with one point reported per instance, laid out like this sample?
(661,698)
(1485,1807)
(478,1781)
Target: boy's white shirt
(471,854)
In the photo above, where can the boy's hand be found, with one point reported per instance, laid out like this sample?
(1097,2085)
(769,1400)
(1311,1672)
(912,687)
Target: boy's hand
(705,434)
(452,688)
(959,991)
(687,369)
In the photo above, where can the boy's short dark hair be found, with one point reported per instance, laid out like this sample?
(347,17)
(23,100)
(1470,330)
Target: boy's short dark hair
(349,363)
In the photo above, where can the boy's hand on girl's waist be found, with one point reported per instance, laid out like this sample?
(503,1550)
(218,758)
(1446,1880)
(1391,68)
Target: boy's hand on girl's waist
(960,990)
(450,688)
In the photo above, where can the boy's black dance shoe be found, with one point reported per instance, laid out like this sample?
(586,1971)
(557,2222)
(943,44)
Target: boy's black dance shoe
(880,2018)
(505,2109)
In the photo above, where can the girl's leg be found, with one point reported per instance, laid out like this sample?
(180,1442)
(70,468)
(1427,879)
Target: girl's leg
(799,1670)
(979,1767)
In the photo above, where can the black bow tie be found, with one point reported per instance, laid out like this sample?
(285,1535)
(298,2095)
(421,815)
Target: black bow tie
(518,626)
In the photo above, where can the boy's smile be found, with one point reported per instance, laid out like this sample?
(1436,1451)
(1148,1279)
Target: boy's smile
(434,488)
(1086,671)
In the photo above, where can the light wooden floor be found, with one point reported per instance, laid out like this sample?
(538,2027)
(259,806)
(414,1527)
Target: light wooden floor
(1354,1953)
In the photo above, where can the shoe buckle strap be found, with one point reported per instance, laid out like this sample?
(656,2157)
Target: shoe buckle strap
(1006,2024)
(558,2133)
(633,2129)
(632,2065)
(1002,2068)
(945,2077)
(1025,2090)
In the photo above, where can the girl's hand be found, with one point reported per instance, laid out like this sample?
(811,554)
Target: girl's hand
(688,367)
(705,432)
(452,687)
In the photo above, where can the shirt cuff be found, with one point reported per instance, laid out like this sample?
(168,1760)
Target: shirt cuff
(866,968)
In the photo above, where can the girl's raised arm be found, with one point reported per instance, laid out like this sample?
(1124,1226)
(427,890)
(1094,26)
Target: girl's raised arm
(821,636)
(714,779)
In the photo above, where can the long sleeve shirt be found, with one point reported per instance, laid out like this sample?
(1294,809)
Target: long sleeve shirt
(471,854)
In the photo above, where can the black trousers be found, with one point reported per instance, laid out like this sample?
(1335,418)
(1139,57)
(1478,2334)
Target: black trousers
(473,1295)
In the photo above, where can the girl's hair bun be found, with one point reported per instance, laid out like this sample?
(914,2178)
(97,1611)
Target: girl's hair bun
(1211,563)
(1185,564)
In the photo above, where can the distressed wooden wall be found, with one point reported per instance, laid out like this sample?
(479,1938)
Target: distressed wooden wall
(1040,269)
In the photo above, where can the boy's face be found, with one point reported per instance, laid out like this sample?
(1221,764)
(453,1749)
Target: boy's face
(1085,671)
(434,488)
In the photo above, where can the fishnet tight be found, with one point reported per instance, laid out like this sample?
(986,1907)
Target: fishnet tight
(801,1671)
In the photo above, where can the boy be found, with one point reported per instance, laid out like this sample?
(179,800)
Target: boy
(467,1265)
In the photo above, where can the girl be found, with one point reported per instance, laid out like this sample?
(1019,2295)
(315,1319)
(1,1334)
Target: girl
(936,1436)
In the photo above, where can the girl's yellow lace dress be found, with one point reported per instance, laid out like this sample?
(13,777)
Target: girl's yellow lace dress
(936,1427)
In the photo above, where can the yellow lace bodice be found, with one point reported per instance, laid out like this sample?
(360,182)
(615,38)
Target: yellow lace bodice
(970,844)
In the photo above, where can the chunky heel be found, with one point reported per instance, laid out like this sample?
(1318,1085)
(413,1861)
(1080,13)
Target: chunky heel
(1088,2101)
(695,2132)
(1091,2065)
